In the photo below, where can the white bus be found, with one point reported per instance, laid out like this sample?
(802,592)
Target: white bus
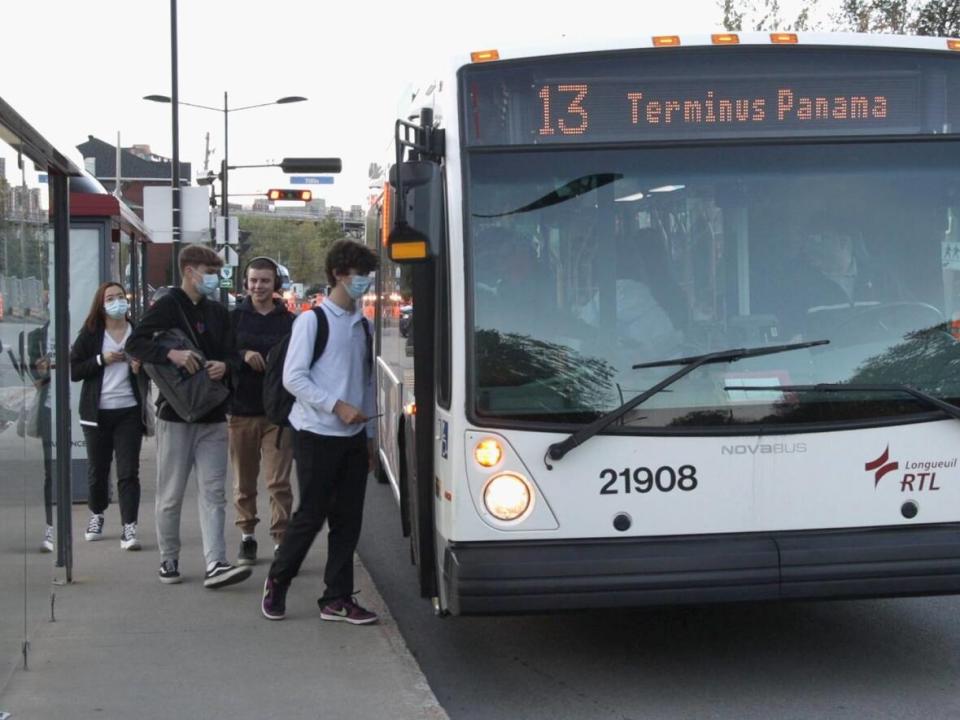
(685,323)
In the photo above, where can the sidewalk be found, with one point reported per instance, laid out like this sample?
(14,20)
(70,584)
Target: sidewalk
(126,646)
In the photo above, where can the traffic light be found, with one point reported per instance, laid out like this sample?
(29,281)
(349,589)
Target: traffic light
(280,194)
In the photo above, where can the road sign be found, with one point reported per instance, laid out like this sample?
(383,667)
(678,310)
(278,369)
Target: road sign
(234,236)
(230,260)
(226,272)
(311,180)
(194,213)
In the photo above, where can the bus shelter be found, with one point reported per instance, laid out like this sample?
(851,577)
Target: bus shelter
(34,379)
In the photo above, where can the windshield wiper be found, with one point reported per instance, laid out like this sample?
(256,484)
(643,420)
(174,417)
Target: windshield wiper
(572,189)
(949,408)
(557,450)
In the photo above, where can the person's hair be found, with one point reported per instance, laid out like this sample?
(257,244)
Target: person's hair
(193,255)
(97,318)
(262,263)
(346,255)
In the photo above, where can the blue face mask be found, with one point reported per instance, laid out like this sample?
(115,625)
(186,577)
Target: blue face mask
(116,308)
(208,285)
(358,285)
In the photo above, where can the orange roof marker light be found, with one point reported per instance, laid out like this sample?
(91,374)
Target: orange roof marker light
(725,39)
(666,40)
(953,44)
(485,56)
(784,38)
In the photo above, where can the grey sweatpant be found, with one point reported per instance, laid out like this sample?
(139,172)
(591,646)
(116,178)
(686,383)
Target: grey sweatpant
(182,447)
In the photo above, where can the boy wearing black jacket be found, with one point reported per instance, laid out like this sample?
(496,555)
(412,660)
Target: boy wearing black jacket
(259,323)
(200,445)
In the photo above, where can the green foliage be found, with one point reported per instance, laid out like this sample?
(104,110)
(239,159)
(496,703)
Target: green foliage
(300,245)
(764,15)
(900,17)
(910,17)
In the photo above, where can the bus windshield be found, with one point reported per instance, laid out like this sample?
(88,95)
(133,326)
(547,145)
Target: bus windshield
(583,262)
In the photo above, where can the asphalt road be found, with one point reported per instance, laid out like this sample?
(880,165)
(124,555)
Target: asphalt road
(874,659)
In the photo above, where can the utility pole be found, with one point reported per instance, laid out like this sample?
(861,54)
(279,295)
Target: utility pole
(206,155)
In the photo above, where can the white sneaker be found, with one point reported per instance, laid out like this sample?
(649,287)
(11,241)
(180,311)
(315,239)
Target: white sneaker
(47,544)
(94,528)
(128,538)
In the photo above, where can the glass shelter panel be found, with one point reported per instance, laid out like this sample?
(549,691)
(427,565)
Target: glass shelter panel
(27,369)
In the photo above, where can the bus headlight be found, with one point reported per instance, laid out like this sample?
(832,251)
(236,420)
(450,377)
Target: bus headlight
(507,496)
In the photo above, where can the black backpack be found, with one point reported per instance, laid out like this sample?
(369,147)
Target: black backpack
(277,400)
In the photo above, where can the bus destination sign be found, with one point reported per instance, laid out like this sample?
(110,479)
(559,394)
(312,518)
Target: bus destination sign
(578,110)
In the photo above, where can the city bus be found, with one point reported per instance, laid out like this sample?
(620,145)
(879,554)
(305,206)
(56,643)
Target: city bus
(687,322)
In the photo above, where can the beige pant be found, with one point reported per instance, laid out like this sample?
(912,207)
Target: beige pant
(253,441)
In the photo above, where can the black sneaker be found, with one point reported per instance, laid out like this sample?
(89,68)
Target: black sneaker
(224,574)
(274,603)
(169,572)
(248,552)
(94,528)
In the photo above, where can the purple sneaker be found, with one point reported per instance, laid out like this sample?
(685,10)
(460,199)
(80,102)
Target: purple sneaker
(346,610)
(274,604)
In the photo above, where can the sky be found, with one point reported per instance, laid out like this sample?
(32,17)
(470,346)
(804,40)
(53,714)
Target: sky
(352,60)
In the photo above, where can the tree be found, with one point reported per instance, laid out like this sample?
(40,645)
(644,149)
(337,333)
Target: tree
(300,245)
(763,15)
(900,17)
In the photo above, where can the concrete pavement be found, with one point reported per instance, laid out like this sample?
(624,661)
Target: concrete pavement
(123,645)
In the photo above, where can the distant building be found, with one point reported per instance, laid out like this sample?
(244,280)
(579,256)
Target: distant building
(139,167)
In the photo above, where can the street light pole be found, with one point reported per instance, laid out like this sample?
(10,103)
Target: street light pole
(175,170)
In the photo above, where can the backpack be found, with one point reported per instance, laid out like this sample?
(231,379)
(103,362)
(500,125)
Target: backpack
(277,400)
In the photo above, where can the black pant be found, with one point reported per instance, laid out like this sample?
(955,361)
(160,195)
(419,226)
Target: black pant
(120,432)
(332,473)
(45,422)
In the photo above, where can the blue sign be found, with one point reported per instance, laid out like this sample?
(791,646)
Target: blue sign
(42,178)
(312,180)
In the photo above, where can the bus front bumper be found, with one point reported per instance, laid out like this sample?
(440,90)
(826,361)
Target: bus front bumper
(529,576)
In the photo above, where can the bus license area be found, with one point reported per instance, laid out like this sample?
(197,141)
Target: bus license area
(790,108)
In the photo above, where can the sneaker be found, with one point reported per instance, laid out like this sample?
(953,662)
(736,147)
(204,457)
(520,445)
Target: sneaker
(223,574)
(94,528)
(47,544)
(274,603)
(169,572)
(346,610)
(248,552)
(128,539)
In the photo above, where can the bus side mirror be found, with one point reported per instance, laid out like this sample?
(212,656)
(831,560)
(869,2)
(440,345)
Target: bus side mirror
(417,225)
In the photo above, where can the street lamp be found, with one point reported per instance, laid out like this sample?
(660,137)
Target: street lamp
(224,165)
